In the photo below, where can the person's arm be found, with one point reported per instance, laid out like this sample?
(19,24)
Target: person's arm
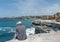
(15,34)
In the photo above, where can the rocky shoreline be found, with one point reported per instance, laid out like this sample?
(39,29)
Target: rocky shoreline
(48,31)
(45,26)
(45,37)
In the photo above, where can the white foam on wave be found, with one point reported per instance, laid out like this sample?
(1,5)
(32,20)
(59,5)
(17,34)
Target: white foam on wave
(0,29)
(30,31)
(8,29)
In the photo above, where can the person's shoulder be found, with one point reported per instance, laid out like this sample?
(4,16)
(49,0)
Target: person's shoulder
(23,26)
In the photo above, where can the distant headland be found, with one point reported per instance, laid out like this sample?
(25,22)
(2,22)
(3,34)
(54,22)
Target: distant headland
(46,17)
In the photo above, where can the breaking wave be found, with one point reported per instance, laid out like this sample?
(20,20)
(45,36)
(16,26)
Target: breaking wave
(29,31)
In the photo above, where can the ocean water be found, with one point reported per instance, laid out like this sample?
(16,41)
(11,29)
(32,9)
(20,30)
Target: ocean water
(8,26)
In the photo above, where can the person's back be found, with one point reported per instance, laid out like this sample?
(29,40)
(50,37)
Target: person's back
(20,32)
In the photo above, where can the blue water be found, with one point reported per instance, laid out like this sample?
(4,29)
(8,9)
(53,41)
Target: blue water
(8,26)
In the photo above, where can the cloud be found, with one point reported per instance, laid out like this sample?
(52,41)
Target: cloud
(51,9)
(37,7)
(28,7)
(31,7)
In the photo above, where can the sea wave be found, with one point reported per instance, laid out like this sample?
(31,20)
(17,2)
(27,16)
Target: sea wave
(29,31)
(8,29)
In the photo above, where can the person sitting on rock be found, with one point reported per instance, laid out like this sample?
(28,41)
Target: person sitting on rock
(20,32)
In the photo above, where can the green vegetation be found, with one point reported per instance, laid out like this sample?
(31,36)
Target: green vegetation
(57,17)
(58,13)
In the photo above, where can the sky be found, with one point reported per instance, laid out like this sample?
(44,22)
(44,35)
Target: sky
(10,8)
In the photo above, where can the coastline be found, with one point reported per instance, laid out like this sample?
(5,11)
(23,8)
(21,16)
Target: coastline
(52,36)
